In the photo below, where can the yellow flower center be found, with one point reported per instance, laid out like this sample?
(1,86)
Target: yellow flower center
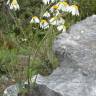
(76,7)
(43,21)
(34,17)
(65,3)
(14,2)
(55,7)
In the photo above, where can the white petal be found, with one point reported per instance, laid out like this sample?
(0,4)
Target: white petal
(46,14)
(11,6)
(46,1)
(44,25)
(37,20)
(52,21)
(18,7)
(8,2)
(61,28)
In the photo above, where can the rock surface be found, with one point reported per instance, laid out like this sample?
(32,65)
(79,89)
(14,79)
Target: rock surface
(76,51)
(12,90)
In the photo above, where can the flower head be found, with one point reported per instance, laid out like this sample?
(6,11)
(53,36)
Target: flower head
(74,10)
(46,14)
(35,20)
(61,28)
(54,8)
(8,2)
(14,5)
(44,24)
(63,6)
(57,21)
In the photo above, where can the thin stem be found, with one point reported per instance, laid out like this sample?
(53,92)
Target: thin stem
(28,74)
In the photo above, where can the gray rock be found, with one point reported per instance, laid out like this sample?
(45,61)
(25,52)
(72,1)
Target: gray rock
(43,90)
(78,45)
(76,51)
(12,90)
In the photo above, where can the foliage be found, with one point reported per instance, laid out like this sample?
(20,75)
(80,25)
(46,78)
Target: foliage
(17,34)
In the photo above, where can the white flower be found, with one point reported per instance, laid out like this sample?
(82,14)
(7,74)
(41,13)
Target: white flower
(35,20)
(8,2)
(63,6)
(46,1)
(5,92)
(61,28)
(14,5)
(46,14)
(74,10)
(54,8)
(44,24)
(53,21)
(57,21)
